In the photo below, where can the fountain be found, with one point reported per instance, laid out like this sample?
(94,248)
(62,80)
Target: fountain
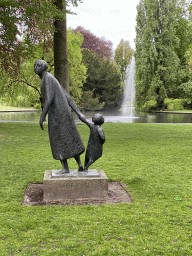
(129,92)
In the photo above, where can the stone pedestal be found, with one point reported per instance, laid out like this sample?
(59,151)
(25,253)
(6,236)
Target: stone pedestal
(74,187)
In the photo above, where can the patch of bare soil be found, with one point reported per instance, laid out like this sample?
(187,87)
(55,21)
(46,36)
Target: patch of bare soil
(116,194)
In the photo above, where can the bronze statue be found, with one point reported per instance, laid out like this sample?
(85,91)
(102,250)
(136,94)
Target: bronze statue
(96,140)
(64,137)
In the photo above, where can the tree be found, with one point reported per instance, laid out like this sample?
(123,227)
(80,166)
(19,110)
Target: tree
(103,79)
(24,89)
(33,19)
(186,86)
(123,55)
(157,60)
(184,33)
(20,18)
(77,70)
(101,46)
(60,48)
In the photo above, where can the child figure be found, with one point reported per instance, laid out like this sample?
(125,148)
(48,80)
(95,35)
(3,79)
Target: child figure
(96,140)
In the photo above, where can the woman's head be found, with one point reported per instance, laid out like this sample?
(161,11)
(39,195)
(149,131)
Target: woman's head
(40,66)
(98,119)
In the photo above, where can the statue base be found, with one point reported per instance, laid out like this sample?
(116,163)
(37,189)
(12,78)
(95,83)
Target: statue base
(78,186)
(75,173)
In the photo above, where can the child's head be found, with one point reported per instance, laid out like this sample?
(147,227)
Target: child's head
(98,119)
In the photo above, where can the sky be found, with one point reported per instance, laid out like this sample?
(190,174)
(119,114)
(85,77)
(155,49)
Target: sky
(113,20)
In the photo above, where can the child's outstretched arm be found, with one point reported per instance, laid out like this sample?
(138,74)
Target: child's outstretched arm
(87,122)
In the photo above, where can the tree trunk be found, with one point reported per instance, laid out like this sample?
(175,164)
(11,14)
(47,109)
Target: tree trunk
(60,49)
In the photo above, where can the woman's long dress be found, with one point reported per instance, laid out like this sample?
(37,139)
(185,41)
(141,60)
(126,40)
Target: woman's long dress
(64,137)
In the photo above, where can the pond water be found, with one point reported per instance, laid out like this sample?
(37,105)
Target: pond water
(124,115)
(130,115)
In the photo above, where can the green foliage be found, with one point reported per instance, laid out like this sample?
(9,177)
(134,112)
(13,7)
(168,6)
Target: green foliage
(154,161)
(169,104)
(160,50)
(103,79)
(32,18)
(186,86)
(24,90)
(77,70)
(174,104)
(148,105)
(189,57)
(187,93)
(123,55)
(90,103)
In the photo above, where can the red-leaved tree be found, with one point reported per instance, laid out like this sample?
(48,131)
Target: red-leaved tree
(101,46)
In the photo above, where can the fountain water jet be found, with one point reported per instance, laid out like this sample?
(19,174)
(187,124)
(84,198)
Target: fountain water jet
(129,91)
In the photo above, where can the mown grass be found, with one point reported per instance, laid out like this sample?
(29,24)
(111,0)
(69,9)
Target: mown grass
(153,160)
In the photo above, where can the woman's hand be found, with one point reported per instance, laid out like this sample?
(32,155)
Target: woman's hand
(41,123)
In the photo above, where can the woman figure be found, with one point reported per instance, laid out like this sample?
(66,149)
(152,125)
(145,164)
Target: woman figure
(64,137)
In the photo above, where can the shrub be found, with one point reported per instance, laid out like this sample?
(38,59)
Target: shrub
(174,104)
(37,105)
(149,106)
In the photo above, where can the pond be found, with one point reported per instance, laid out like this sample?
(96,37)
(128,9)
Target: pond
(123,115)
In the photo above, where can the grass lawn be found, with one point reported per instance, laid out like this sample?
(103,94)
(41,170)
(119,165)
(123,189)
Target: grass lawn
(155,161)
